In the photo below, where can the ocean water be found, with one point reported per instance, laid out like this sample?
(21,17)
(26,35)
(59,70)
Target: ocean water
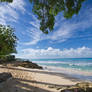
(76,67)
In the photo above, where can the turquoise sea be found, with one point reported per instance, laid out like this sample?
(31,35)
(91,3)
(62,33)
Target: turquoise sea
(77,67)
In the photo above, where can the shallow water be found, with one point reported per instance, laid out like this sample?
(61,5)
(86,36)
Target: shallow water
(77,67)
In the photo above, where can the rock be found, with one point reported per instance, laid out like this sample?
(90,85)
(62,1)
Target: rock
(58,87)
(4,77)
(27,64)
(51,86)
(79,87)
(22,63)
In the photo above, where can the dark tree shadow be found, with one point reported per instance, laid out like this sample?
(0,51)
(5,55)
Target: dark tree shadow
(43,83)
(16,85)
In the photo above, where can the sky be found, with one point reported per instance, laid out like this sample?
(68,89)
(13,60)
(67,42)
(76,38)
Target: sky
(71,38)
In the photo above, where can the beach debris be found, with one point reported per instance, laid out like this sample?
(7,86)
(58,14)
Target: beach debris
(79,87)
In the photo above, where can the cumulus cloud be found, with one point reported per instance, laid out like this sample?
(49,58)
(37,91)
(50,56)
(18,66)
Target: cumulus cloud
(50,52)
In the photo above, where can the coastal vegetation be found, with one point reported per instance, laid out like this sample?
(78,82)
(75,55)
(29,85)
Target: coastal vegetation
(8,42)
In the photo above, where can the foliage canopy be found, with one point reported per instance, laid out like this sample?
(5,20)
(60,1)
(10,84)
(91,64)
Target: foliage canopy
(46,10)
(6,0)
(7,40)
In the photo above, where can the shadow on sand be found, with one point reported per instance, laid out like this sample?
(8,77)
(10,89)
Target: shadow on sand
(16,85)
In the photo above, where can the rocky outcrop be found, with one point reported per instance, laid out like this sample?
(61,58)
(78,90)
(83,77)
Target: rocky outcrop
(22,63)
(80,87)
(26,64)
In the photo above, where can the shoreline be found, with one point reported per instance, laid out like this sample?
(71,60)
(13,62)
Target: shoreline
(75,73)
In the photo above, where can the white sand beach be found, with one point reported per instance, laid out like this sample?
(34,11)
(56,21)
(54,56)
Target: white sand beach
(33,80)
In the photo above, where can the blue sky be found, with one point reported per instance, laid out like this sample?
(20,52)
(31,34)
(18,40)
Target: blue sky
(70,38)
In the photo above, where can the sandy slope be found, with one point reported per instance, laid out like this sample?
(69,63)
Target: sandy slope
(29,80)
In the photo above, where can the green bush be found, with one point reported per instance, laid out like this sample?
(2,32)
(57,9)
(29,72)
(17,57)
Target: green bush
(7,58)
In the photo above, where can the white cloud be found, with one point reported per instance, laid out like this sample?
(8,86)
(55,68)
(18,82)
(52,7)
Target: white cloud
(55,53)
(34,32)
(35,23)
(35,36)
(9,11)
(18,4)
